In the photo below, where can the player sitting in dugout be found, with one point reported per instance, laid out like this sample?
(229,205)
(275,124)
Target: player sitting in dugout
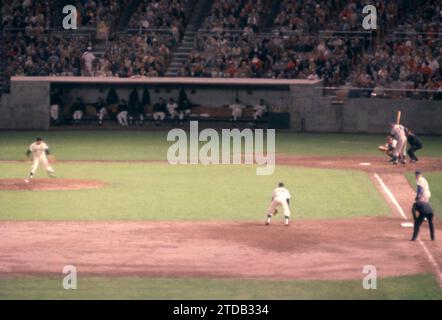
(78,110)
(122,113)
(389,147)
(159,111)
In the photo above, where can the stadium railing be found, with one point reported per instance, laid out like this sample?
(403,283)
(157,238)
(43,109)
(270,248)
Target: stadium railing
(342,93)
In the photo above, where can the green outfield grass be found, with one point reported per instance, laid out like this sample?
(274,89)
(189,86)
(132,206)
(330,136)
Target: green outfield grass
(138,191)
(159,191)
(435,182)
(143,145)
(410,287)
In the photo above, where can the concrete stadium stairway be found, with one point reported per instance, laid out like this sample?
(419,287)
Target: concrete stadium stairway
(179,56)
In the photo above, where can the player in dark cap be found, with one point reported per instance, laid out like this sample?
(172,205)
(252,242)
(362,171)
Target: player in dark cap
(425,211)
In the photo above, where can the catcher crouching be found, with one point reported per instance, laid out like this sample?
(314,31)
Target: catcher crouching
(388,147)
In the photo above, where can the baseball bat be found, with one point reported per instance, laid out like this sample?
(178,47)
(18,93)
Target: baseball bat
(398,117)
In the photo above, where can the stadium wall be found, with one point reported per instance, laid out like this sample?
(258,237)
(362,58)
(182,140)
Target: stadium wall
(27,106)
(365,115)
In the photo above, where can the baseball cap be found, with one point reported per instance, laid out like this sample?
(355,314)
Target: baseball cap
(418,171)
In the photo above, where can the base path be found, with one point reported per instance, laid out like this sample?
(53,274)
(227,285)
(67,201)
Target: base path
(308,249)
(369,163)
(400,197)
(49,184)
(365,163)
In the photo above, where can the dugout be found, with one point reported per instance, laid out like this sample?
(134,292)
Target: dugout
(306,102)
(27,105)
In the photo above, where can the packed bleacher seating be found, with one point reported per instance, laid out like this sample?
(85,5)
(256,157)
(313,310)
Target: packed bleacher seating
(93,12)
(278,56)
(48,54)
(26,14)
(312,16)
(233,14)
(161,14)
(409,63)
(307,39)
(139,54)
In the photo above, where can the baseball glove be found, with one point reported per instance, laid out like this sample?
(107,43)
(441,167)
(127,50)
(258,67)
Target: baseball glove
(275,213)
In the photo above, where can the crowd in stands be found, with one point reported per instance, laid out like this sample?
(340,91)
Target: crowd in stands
(425,18)
(36,15)
(310,16)
(43,55)
(140,54)
(161,14)
(92,13)
(243,15)
(401,64)
(232,43)
(29,14)
(279,56)
(408,59)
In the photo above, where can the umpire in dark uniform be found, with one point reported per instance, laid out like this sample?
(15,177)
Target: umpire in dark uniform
(414,145)
(425,211)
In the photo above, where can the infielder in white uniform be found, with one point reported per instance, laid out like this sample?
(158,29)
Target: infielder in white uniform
(39,150)
(398,133)
(280,197)
(423,192)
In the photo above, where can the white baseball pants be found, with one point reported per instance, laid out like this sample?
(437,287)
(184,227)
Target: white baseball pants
(159,116)
(236,113)
(122,118)
(78,114)
(53,111)
(44,161)
(277,202)
(401,148)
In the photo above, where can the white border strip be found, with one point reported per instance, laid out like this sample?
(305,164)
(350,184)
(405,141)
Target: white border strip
(401,211)
(391,196)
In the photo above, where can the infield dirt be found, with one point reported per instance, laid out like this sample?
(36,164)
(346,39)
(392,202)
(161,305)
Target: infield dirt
(333,249)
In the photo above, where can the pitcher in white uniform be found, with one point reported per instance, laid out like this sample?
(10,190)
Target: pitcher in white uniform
(39,151)
(280,197)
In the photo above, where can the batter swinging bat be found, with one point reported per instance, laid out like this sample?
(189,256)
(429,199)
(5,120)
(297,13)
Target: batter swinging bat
(398,117)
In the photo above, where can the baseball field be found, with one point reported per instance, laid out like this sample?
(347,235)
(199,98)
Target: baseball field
(136,227)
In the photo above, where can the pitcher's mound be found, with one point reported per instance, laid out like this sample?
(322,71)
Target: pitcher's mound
(49,184)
